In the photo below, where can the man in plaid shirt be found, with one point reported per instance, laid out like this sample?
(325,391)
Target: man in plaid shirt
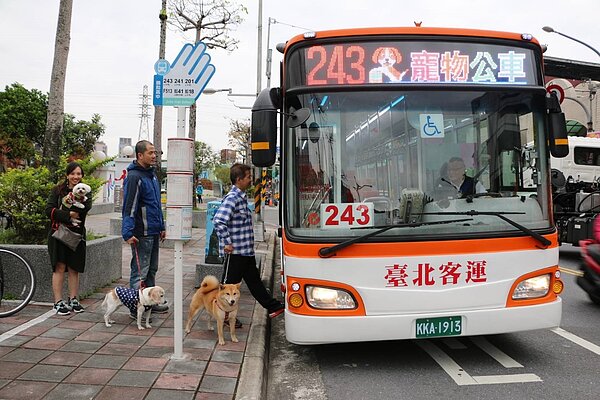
(233,223)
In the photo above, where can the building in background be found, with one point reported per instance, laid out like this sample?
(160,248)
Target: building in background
(228,156)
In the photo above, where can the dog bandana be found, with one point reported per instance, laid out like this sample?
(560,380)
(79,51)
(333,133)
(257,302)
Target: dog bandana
(130,298)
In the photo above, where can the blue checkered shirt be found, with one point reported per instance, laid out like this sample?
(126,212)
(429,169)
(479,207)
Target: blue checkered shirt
(233,223)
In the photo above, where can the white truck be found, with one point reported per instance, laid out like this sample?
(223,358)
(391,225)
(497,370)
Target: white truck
(576,189)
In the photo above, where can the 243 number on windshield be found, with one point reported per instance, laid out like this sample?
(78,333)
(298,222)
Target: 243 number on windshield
(346,215)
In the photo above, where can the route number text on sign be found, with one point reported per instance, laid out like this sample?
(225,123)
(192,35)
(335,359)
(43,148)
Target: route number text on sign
(346,215)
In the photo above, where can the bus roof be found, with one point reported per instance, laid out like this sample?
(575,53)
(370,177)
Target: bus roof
(411,31)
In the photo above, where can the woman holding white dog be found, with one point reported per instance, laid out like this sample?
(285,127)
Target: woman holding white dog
(61,209)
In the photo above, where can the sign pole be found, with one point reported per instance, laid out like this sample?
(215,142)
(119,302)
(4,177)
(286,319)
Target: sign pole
(179,85)
(178,264)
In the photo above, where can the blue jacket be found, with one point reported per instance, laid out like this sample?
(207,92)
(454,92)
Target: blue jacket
(142,212)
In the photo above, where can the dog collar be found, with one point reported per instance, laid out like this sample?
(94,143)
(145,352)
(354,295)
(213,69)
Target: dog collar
(221,308)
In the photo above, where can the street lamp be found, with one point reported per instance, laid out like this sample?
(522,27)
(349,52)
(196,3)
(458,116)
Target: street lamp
(592,87)
(550,30)
(213,91)
(231,94)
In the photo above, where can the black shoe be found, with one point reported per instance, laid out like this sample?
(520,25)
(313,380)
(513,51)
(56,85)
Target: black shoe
(61,308)
(134,317)
(75,306)
(238,323)
(160,309)
(276,311)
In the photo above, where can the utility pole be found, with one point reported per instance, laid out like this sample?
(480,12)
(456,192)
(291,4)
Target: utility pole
(259,55)
(258,171)
(158,110)
(269,51)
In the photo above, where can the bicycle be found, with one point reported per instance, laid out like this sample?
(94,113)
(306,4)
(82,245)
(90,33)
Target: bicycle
(17,283)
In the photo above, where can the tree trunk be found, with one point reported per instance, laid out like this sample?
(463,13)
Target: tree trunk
(158,110)
(192,133)
(56,97)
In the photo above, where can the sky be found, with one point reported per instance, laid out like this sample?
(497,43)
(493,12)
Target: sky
(114,45)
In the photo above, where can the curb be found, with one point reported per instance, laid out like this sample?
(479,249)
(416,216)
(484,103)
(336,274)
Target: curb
(252,382)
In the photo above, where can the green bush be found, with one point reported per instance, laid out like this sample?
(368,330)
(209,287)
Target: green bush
(23,196)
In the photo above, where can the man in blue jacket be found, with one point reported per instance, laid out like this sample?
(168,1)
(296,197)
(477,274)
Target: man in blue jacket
(143,224)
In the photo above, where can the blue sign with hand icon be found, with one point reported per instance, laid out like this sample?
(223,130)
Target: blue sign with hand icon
(181,83)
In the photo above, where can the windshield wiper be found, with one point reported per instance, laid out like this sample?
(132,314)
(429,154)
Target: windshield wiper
(325,252)
(500,214)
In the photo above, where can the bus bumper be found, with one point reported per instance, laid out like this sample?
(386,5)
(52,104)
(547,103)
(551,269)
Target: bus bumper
(303,329)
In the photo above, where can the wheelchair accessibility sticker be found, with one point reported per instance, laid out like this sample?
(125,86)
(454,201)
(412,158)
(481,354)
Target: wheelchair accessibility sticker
(432,125)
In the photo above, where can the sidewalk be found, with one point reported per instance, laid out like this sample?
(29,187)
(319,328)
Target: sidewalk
(45,356)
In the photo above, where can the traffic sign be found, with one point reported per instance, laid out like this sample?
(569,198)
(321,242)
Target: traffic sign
(560,92)
(181,83)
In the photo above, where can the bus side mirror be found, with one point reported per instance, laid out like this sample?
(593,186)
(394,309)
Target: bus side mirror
(263,130)
(559,142)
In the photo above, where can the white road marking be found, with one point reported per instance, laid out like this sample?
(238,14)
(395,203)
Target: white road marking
(495,352)
(454,344)
(516,378)
(577,340)
(21,328)
(461,377)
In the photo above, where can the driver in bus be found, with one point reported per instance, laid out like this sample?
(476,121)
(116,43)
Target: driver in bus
(454,183)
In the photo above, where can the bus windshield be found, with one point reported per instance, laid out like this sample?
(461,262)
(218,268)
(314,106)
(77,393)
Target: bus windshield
(370,158)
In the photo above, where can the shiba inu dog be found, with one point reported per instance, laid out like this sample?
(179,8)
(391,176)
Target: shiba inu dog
(220,301)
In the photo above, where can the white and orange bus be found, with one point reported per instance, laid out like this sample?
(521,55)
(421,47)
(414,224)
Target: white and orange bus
(403,209)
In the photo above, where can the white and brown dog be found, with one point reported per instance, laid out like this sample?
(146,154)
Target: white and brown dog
(220,301)
(386,57)
(138,301)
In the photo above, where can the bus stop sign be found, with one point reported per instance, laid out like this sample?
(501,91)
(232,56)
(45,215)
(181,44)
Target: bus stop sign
(181,83)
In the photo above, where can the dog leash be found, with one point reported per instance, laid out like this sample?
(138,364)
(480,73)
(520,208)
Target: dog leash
(226,267)
(137,259)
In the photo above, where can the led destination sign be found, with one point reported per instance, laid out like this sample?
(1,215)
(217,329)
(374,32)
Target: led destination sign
(418,62)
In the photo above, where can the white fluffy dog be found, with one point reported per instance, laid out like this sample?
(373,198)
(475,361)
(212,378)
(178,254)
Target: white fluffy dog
(138,301)
(78,196)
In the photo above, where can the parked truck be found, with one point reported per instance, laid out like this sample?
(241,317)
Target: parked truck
(576,189)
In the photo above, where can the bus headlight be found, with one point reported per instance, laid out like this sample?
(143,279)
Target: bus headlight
(329,299)
(532,288)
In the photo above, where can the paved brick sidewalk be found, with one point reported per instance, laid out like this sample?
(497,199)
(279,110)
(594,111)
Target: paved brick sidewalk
(77,357)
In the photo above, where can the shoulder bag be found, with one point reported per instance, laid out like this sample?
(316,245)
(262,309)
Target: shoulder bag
(65,235)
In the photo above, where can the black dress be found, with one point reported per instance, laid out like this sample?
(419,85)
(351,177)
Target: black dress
(57,250)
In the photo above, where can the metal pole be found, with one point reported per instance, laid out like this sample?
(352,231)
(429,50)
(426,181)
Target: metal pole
(259,217)
(592,90)
(269,52)
(178,267)
(259,55)
(158,110)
